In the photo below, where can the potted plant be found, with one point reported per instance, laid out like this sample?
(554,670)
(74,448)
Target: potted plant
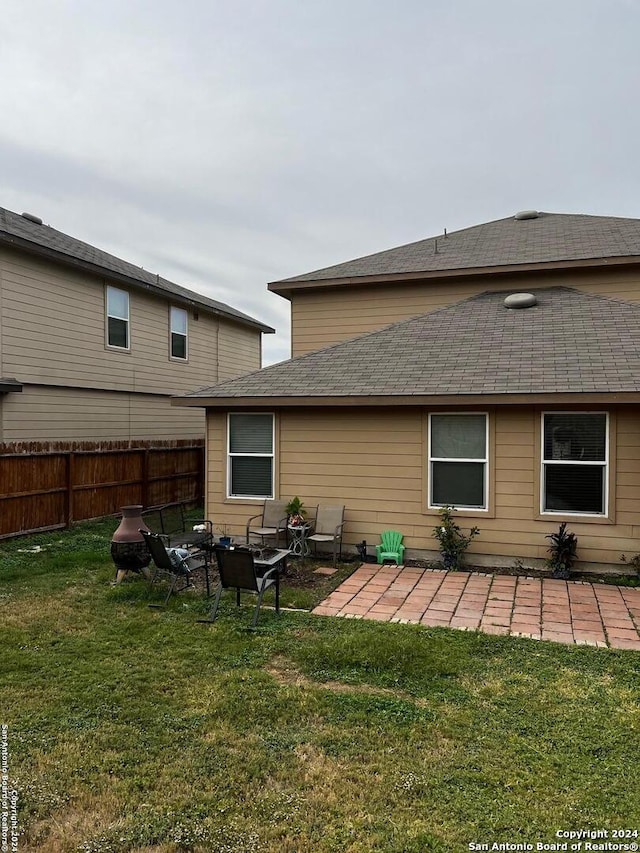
(296,513)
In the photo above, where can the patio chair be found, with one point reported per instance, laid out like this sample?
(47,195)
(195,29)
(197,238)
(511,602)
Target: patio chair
(273,521)
(390,547)
(328,528)
(173,562)
(237,570)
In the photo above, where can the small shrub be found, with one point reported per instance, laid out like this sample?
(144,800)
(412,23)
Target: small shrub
(634,562)
(563,552)
(453,542)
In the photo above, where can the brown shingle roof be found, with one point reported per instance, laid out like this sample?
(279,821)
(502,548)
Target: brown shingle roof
(22,233)
(550,238)
(570,342)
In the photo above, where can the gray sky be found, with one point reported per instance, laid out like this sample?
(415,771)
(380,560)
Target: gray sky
(227,144)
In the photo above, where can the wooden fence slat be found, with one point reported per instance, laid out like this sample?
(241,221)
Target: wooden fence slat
(48,487)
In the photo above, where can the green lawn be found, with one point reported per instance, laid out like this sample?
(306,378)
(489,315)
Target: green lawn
(138,729)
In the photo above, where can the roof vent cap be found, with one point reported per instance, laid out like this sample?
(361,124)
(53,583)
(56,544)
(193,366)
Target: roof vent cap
(520,300)
(32,218)
(527,214)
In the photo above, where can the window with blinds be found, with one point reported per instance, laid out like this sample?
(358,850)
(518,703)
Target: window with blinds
(575,462)
(458,459)
(250,455)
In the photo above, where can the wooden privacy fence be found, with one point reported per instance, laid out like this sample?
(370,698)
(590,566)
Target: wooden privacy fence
(49,486)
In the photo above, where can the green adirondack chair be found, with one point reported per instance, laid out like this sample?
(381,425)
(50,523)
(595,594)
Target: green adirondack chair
(390,547)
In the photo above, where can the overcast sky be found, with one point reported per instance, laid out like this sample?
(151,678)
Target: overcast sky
(228,143)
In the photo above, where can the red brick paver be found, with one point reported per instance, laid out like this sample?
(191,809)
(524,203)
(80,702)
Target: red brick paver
(572,612)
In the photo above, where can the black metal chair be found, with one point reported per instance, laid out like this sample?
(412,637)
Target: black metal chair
(237,570)
(167,561)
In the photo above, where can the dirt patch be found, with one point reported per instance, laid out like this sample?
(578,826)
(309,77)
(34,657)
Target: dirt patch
(285,672)
(300,574)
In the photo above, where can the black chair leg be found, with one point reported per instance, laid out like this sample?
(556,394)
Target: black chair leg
(278,593)
(257,610)
(214,609)
(152,580)
(174,580)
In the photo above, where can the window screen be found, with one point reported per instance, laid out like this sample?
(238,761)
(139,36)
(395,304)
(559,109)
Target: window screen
(574,464)
(117,318)
(251,455)
(458,461)
(178,333)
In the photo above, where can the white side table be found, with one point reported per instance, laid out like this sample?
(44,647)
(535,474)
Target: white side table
(298,533)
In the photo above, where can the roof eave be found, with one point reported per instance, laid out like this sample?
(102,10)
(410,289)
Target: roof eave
(286,288)
(86,266)
(579,398)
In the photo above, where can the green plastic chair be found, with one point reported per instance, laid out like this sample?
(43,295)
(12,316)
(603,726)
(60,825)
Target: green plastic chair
(390,547)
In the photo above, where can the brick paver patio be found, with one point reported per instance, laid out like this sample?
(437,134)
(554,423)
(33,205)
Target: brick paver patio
(543,609)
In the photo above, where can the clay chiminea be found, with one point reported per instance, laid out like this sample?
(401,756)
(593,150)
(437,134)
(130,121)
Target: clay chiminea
(128,548)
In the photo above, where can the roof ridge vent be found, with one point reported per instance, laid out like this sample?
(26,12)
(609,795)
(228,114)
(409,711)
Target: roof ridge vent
(520,300)
(526,214)
(32,218)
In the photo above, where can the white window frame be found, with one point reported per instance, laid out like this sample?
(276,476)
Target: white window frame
(271,455)
(184,334)
(600,464)
(127,319)
(485,461)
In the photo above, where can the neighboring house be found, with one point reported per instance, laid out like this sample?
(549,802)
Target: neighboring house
(521,417)
(92,348)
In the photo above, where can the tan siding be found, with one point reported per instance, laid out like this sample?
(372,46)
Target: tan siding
(239,351)
(54,330)
(62,414)
(53,334)
(373,462)
(326,316)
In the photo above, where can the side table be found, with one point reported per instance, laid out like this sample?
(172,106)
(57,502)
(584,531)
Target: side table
(298,544)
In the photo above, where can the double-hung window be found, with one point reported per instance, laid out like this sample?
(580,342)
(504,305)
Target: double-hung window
(178,333)
(117,318)
(250,455)
(458,460)
(575,463)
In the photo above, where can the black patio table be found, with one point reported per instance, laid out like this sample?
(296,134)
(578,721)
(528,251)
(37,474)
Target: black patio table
(269,558)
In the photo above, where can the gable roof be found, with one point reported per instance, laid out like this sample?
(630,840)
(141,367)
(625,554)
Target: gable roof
(20,232)
(570,343)
(549,240)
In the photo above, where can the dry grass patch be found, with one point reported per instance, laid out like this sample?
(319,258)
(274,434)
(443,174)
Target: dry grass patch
(285,672)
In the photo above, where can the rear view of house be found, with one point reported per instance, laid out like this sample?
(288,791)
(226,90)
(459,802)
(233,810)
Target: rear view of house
(495,369)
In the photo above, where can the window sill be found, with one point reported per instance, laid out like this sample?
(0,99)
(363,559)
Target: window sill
(462,512)
(575,518)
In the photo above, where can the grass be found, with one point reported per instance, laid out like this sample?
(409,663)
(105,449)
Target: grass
(133,729)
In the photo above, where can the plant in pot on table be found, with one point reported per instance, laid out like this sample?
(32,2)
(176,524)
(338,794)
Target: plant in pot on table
(297,524)
(296,513)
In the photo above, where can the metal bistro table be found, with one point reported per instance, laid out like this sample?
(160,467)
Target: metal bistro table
(298,535)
